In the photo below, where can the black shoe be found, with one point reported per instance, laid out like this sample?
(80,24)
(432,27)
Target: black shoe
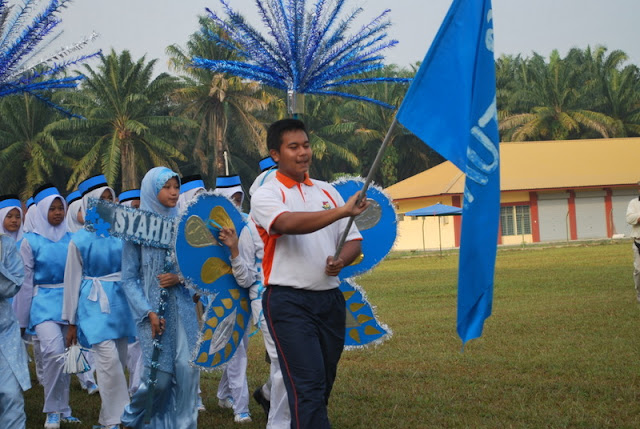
(260,399)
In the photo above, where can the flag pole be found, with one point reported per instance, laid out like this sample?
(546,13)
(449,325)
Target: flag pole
(367,182)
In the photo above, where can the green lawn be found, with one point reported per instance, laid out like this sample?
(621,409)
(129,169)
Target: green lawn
(560,350)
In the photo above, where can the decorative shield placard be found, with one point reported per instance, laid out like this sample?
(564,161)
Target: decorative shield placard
(377,224)
(205,264)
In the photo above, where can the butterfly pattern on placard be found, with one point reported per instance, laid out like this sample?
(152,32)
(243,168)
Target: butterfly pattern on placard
(205,264)
(378,227)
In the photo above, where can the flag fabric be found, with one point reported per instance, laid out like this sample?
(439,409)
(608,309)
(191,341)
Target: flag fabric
(451,106)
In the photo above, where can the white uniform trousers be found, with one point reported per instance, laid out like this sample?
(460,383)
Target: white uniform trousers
(110,357)
(233,382)
(11,400)
(55,382)
(274,391)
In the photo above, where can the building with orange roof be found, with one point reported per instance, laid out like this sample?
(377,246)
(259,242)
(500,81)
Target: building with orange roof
(550,191)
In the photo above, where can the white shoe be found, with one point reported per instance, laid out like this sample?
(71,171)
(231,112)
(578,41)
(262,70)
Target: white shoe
(226,402)
(53,421)
(242,418)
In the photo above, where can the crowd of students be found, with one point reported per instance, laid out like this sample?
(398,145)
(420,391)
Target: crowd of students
(61,284)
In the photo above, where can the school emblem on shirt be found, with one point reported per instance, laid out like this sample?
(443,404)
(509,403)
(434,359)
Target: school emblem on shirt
(326,205)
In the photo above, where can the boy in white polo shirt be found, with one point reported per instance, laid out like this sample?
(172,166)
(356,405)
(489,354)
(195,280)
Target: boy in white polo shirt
(300,221)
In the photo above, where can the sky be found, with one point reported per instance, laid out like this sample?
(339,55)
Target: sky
(147,27)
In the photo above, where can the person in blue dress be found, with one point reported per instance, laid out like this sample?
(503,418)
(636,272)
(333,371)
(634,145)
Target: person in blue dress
(96,308)
(146,271)
(131,198)
(75,222)
(14,372)
(39,303)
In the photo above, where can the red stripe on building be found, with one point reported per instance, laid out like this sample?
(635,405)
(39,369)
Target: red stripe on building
(535,224)
(573,222)
(608,209)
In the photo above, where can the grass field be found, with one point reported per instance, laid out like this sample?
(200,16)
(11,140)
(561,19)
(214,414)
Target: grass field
(561,349)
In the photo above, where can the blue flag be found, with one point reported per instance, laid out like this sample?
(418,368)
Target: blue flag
(451,106)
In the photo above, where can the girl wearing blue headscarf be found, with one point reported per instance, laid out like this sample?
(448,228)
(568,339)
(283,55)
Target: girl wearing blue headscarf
(145,271)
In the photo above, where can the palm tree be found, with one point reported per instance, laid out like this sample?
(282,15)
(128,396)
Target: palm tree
(127,129)
(29,155)
(216,101)
(558,100)
(406,155)
(617,89)
(329,135)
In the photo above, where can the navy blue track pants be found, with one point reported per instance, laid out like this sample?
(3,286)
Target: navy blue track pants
(308,329)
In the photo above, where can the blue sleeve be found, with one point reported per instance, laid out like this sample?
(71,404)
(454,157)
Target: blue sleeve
(133,281)
(11,268)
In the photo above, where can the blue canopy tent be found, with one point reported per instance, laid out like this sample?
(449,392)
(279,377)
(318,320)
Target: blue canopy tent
(435,210)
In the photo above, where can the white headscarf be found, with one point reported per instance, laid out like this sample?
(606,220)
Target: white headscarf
(27,221)
(187,196)
(96,193)
(152,183)
(41,223)
(73,224)
(17,235)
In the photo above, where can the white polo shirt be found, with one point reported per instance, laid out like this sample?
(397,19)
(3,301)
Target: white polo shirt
(298,260)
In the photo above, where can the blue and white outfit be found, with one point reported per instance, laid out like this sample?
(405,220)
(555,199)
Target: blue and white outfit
(134,351)
(175,395)
(74,205)
(14,372)
(38,305)
(96,303)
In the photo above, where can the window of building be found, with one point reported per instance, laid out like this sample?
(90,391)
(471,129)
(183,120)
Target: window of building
(515,220)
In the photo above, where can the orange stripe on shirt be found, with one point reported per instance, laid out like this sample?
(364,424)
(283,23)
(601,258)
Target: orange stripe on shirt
(330,197)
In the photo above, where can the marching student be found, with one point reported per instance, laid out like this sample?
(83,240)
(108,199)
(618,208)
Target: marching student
(11,218)
(14,372)
(74,214)
(233,389)
(27,221)
(75,222)
(39,303)
(190,187)
(96,308)
(247,253)
(301,221)
(146,271)
(131,198)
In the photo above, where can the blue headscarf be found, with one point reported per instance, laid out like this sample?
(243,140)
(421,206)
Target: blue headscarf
(152,183)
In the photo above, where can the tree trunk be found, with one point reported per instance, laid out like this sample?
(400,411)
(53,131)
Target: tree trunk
(128,166)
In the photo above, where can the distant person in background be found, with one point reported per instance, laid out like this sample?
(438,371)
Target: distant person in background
(633,219)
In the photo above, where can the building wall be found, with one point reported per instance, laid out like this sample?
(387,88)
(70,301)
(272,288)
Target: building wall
(558,215)
(418,233)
